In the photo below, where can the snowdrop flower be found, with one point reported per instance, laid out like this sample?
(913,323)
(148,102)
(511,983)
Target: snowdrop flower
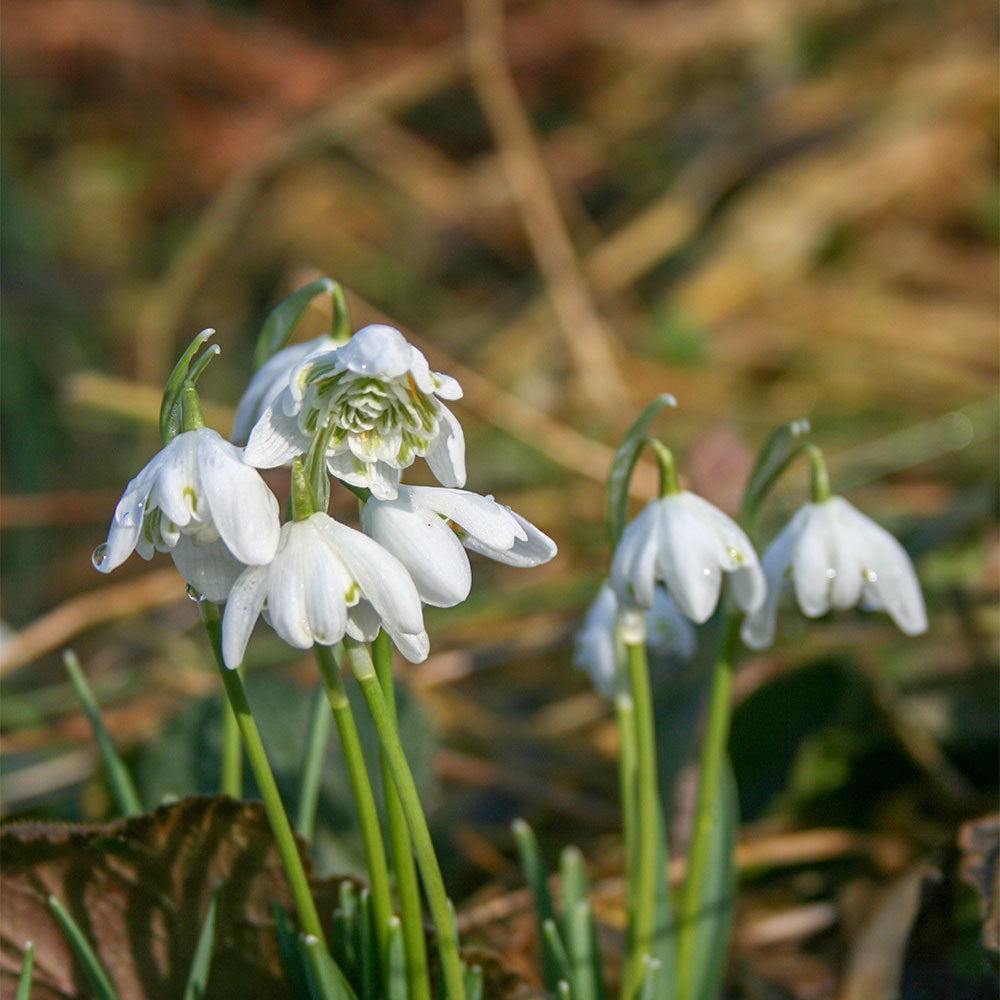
(837,557)
(273,376)
(687,544)
(428,529)
(599,646)
(325,580)
(198,500)
(378,401)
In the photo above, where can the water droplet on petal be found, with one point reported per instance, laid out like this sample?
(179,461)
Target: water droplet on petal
(707,571)
(870,575)
(130,517)
(100,555)
(831,573)
(193,594)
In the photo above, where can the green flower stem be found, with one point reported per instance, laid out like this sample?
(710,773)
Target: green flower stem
(283,836)
(820,478)
(364,799)
(647,830)
(625,717)
(407,887)
(317,738)
(430,871)
(232,755)
(706,811)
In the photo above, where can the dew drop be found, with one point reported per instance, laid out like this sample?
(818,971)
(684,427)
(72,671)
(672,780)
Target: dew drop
(870,575)
(193,594)
(100,555)
(831,573)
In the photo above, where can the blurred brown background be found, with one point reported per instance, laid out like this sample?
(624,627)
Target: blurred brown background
(771,209)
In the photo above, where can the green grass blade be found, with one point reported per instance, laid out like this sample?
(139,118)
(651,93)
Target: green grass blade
(365,945)
(292,959)
(202,961)
(474,982)
(94,971)
(581,943)
(284,317)
(396,986)
(27,967)
(122,786)
(573,886)
(317,736)
(623,463)
(649,988)
(537,876)
(664,928)
(563,990)
(326,980)
(552,945)
(710,948)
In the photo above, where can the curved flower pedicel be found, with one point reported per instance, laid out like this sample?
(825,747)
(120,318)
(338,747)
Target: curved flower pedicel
(379,403)
(599,647)
(325,580)
(428,529)
(837,557)
(273,376)
(687,544)
(198,500)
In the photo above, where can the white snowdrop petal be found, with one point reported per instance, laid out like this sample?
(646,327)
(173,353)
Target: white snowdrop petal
(126,525)
(757,630)
(210,569)
(382,577)
(276,438)
(177,486)
(846,560)
(480,517)
(376,349)
(326,590)
(533,549)
(413,645)
(447,458)
(243,509)
(633,566)
(289,576)
(382,480)
(689,555)
(243,607)
(425,545)
(812,561)
(668,632)
(446,387)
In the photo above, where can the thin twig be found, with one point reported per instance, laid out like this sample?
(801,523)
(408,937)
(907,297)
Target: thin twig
(587,339)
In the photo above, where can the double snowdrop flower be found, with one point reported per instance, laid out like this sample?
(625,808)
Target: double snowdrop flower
(198,500)
(599,646)
(325,580)
(683,542)
(836,557)
(379,406)
(429,528)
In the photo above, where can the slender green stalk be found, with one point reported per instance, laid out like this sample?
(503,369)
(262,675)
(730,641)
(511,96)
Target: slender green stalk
(706,809)
(430,871)
(407,887)
(283,836)
(627,762)
(364,799)
(317,737)
(232,755)
(647,824)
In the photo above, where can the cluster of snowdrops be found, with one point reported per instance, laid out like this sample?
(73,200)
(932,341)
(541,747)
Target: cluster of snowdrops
(359,409)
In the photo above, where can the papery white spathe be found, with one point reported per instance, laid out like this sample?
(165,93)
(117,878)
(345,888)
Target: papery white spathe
(380,398)
(194,492)
(837,558)
(428,529)
(325,580)
(273,376)
(598,646)
(687,544)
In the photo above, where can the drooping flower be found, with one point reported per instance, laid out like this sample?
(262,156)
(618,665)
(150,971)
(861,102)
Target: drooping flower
(273,376)
(428,529)
(195,492)
(381,406)
(599,647)
(325,580)
(837,557)
(685,543)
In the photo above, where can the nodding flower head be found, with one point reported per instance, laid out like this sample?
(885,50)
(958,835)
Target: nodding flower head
(836,557)
(378,405)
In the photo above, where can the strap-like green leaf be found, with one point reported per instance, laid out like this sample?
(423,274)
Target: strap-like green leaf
(624,462)
(473,982)
(122,786)
(779,449)
(284,317)
(292,959)
(553,944)
(395,987)
(326,980)
(27,967)
(202,961)
(649,989)
(94,971)
(537,877)
(573,885)
(581,935)
(170,410)
(710,947)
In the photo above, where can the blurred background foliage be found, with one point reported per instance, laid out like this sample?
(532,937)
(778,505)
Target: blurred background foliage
(771,209)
